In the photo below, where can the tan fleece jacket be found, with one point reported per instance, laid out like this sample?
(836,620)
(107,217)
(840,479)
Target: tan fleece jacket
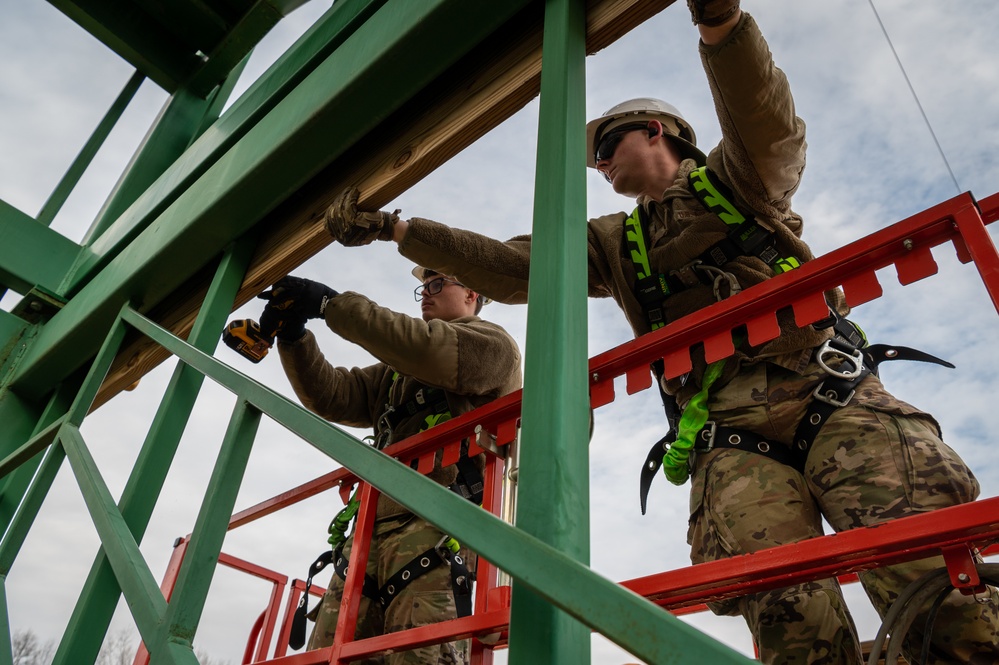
(473,361)
(760,157)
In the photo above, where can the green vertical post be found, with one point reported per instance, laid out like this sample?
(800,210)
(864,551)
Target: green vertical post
(201,559)
(553,493)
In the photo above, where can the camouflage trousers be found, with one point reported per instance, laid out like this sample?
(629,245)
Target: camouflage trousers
(875,459)
(427,599)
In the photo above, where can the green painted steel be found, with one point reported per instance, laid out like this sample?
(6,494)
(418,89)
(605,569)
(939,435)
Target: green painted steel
(189,195)
(28,509)
(263,95)
(636,624)
(145,600)
(354,89)
(201,558)
(553,486)
(179,44)
(31,254)
(99,597)
(90,148)
(182,121)
(14,485)
(6,648)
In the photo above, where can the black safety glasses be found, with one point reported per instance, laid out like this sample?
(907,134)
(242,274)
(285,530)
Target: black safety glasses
(609,141)
(432,288)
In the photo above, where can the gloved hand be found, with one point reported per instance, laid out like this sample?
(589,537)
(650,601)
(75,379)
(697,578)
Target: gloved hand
(352,227)
(712,12)
(291,302)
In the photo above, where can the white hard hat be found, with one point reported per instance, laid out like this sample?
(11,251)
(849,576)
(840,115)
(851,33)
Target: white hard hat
(421,273)
(644,109)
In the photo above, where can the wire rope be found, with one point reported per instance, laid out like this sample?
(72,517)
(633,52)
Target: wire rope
(929,126)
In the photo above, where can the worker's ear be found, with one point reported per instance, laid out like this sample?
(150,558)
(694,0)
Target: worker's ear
(655,128)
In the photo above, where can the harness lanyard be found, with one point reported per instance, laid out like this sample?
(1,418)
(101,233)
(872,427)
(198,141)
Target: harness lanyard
(745,238)
(676,460)
(339,524)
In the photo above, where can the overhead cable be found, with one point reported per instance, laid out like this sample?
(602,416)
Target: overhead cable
(916,97)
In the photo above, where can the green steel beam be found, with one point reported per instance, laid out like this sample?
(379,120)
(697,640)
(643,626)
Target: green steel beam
(11,328)
(354,88)
(145,600)
(235,46)
(201,559)
(90,148)
(184,118)
(99,597)
(327,34)
(629,620)
(14,484)
(182,43)
(136,37)
(20,420)
(553,498)
(27,511)
(31,254)
(6,647)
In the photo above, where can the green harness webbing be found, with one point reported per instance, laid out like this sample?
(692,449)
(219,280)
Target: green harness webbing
(745,238)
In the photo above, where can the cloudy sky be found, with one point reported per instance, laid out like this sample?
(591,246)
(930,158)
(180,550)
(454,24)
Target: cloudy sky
(872,162)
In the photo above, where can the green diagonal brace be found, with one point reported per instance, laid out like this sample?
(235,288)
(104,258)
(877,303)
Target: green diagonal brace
(143,594)
(99,597)
(627,619)
(200,561)
(349,93)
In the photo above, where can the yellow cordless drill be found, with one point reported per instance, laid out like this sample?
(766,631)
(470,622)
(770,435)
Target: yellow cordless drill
(245,337)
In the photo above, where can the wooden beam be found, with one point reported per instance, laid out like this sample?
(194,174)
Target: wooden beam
(494,82)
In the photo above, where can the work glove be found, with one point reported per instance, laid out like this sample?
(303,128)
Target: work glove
(290,303)
(352,227)
(712,12)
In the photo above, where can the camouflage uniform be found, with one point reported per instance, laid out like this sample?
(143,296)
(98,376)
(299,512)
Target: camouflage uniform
(876,459)
(473,361)
(428,599)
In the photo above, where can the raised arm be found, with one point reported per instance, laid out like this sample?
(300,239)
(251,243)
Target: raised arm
(762,152)
(468,356)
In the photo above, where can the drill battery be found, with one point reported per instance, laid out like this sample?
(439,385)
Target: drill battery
(245,338)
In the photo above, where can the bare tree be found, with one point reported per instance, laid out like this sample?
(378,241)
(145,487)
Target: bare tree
(118,649)
(28,649)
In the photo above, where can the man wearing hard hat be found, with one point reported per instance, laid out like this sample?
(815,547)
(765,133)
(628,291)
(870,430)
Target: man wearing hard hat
(786,432)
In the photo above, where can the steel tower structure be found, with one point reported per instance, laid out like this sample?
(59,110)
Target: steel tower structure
(214,207)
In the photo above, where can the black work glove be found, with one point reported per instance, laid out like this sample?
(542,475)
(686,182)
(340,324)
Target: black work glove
(352,227)
(712,12)
(291,302)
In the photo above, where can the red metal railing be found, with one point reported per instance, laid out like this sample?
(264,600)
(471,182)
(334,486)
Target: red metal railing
(953,532)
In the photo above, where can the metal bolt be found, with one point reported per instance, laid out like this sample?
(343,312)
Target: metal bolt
(35,306)
(907,243)
(963,578)
(596,377)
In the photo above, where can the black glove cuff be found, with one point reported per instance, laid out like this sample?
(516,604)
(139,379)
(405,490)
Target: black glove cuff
(290,331)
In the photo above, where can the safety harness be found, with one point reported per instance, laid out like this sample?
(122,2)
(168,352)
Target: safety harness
(847,358)
(468,484)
